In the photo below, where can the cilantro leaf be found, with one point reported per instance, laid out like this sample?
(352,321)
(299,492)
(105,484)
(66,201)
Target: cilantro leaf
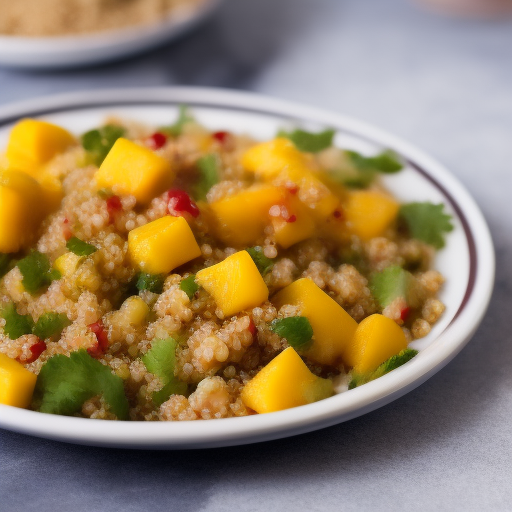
(36,271)
(208,167)
(65,383)
(387,366)
(99,142)
(263,263)
(79,247)
(184,117)
(295,329)
(386,162)
(151,282)
(160,360)
(390,283)
(16,325)
(427,222)
(5,263)
(189,286)
(50,325)
(308,141)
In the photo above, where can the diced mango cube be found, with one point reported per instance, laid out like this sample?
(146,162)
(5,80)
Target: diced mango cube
(67,263)
(134,310)
(296,227)
(369,213)
(20,210)
(235,283)
(132,169)
(376,339)
(285,382)
(33,143)
(268,159)
(162,245)
(16,383)
(51,189)
(240,219)
(311,191)
(333,327)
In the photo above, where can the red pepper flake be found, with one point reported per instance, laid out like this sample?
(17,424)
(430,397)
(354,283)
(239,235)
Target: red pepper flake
(338,214)
(293,189)
(404,313)
(66,229)
(102,339)
(180,202)
(114,206)
(291,218)
(221,136)
(35,350)
(156,141)
(252,328)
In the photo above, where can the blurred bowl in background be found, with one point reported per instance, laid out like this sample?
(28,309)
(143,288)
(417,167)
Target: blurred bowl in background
(484,8)
(95,48)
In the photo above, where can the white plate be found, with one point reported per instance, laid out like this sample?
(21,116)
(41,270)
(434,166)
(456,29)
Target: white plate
(81,50)
(467,261)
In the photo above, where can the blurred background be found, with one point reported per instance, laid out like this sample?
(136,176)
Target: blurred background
(435,72)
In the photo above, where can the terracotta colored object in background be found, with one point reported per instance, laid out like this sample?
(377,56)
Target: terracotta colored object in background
(485,8)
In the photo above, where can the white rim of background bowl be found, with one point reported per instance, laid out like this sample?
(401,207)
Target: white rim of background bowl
(98,47)
(339,408)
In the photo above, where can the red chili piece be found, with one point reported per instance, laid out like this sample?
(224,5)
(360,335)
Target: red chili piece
(102,339)
(180,202)
(66,229)
(291,218)
(293,189)
(221,136)
(252,328)
(337,214)
(35,350)
(404,313)
(114,205)
(157,140)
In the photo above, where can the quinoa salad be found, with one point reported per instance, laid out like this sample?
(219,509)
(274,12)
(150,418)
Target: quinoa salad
(174,273)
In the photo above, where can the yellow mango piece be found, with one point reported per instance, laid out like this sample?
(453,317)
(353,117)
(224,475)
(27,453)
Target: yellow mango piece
(268,159)
(51,189)
(21,210)
(240,220)
(132,169)
(162,245)
(67,263)
(135,310)
(235,283)
(311,191)
(297,227)
(369,213)
(33,143)
(285,382)
(333,327)
(16,383)
(376,339)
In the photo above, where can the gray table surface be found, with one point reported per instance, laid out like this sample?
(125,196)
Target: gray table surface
(444,84)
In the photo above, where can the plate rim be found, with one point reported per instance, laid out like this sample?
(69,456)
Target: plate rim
(246,430)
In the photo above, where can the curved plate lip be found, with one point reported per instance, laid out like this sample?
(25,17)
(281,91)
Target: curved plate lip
(97,47)
(339,408)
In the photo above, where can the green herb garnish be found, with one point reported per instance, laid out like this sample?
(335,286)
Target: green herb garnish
(386,162)
(65,383)
(208,167)
(50,325)
(427,222)
(184,117)
(263,263)
(308,141)
(79,247)
(150,282)
(16,325)
(296,330)
(387,366)
(160,360)
(189,286)
(99,142)
(391,283)
(36,271)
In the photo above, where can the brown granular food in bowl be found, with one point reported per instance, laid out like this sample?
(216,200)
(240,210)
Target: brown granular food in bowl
(181,290)
(43,18)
